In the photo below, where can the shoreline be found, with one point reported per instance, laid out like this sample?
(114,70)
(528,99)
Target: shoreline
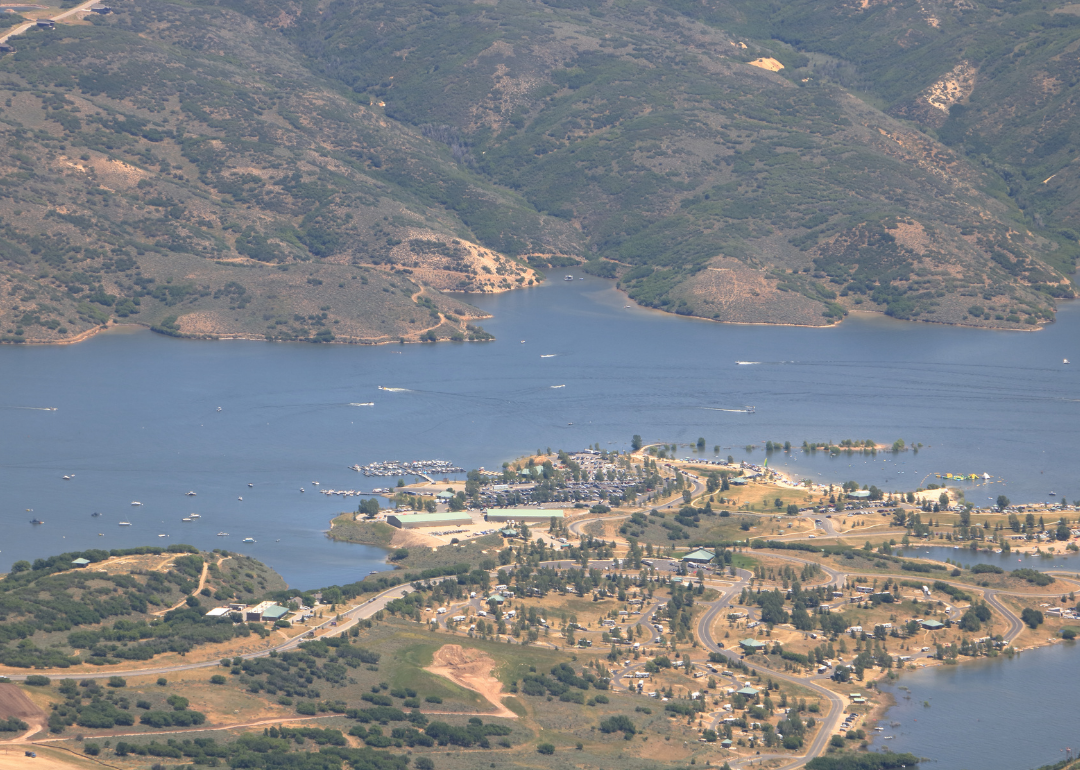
(227,336)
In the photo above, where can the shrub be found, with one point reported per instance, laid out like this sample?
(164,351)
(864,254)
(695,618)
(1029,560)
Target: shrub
(423,763)
(619,723)
(217,679)
(546,748)
(37,680)
(117,681)
(307,708)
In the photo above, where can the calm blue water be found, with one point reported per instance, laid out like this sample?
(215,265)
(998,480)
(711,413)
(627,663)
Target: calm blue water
(136,416)
(988,714)
(1008,561)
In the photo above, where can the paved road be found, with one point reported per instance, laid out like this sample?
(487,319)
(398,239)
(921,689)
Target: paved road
(697,488)
(829,723)
(349,619)
(58,17)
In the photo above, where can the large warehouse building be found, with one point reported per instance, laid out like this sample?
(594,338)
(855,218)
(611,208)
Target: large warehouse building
(414,520)
(524,514)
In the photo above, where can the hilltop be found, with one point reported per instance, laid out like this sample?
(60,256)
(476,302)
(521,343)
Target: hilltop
(323,172)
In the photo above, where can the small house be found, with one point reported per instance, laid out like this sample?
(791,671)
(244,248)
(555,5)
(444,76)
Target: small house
(80,563)
(747,692)
(46,23)
(750,646)
(102,9)
(932,625)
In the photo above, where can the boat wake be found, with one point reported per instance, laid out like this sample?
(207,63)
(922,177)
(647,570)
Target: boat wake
(736,411)
(748,363)
(557,386)
(32,408)
(549,355)
(395,390)
(367,403)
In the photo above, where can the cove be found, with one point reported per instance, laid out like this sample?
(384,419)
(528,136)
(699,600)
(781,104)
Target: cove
(987,714)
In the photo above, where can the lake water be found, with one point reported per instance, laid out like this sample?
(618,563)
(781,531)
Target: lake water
(988,714)
(1008,561)
(136,416)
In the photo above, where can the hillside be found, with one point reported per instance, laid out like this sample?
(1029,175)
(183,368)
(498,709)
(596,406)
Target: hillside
(126,605)
(208,185)
(323,171)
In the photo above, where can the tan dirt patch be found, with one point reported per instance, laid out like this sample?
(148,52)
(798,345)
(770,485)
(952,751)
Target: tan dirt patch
(772,65)
(16,759)
(471,669)
(15,703)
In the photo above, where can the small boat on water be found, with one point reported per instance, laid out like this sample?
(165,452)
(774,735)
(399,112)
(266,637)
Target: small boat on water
(1065,361)
(219,408)
(222,534)
(250,485)
(124,524)
(162,535)
(35,522)
(240,498)
(95,513)
(568,278)
(195,515)
(135,502)
(185,519)
(1053,494)
(67,478)
(248,540)
(190,494)
(301,489)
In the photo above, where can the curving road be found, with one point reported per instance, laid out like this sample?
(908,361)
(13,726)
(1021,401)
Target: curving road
(349,619)
(58,17)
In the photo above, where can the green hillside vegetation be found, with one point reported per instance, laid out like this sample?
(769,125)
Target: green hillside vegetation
(208,187)
(316,171)
(56,616)
(707,186)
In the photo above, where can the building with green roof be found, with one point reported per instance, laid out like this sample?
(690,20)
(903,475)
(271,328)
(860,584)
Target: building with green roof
(700,556)
(524,514)
(752,645)
(441,519)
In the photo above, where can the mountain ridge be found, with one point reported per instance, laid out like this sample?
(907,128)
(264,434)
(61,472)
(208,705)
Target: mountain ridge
(405,149)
